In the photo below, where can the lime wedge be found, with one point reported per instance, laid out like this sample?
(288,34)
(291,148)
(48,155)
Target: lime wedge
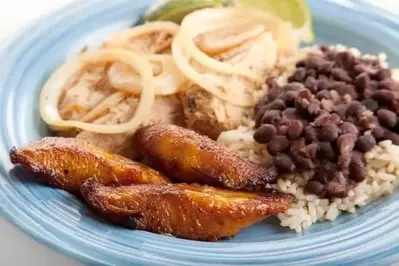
(295,11)
(176,10)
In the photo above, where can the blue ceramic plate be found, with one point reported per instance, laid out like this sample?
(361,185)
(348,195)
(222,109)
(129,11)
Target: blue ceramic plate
(370,237)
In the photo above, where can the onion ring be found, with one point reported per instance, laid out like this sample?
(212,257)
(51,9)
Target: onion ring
(52,91)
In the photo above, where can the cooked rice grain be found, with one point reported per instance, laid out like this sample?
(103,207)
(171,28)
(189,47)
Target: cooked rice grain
(382,178)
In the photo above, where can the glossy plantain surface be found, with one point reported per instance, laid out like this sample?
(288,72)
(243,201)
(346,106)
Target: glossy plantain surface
(67,162)
(186,211)
(188,157)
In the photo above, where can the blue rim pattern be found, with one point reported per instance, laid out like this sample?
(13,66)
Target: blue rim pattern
(59,220)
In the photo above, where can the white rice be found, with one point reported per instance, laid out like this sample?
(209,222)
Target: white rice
(382,167)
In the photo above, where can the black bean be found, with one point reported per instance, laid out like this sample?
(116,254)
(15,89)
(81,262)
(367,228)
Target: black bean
(344,162)
(282,130)
(346,143)
(388,135)
(326,151)
(357,169)
(365,143)
(388,84)
(291,113)
(347,127)
(277,104)
(301,63)
(340,75)
(273,93)
(295,129)
(354,108)
(387,118)
(271,117)
(378,133)
(323,83)
(311,73)
(324,48)
(331,55)
(299,75)
(383,96)
(340,109)
(345,60)
(265,133)
(336,190)
(314,187)
(278,144)
(328,132)
(289,97)
(310,151)
(305,163)
(362,81)
(325,67)
(284,163)
(370,104)
(258,115)
(310,133)
(324,94)
(314,61)
(383,73)
(312,84)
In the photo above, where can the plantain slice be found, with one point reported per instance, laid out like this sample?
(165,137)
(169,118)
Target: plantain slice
(67,162)
(188,157)
(186,211)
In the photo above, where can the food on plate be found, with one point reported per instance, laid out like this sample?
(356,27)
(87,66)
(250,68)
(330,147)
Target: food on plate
(334,107)
(208,115)
(68,162)
(97,95)
(187,211)
(187,156)
(357,81)
(318,122)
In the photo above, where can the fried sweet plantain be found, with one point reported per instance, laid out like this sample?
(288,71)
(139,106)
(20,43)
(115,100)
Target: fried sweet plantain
(186,156)
(187,211)
(67,162)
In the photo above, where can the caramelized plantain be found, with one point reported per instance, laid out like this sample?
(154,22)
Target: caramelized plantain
(187,211)
(189,157)
(67,162)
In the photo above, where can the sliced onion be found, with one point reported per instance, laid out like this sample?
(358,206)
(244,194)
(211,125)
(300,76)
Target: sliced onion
(190,30)
(52,90)
(167,77)
(204,80)
(215,46)
(122,39)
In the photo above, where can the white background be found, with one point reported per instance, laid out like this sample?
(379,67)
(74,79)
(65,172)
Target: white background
(15,248)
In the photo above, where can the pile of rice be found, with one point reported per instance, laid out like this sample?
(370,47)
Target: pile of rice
(382,166)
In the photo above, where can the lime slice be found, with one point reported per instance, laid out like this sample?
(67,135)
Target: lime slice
(295,11)
(176,10)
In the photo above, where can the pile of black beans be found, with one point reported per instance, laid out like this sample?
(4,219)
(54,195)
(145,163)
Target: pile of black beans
(334,108)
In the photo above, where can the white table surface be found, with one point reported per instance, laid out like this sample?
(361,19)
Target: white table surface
(16,248)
